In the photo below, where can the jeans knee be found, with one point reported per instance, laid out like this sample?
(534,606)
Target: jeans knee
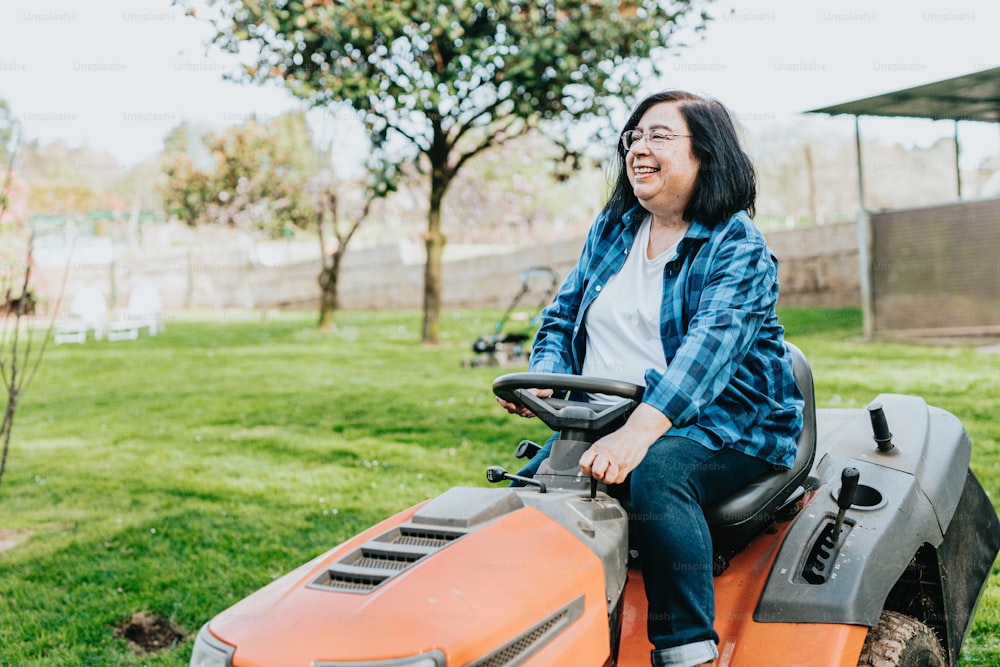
(654,487)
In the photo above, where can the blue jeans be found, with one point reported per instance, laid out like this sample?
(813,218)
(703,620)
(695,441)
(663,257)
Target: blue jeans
(669,488)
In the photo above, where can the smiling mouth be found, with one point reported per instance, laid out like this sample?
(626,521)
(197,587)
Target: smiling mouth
(646,170)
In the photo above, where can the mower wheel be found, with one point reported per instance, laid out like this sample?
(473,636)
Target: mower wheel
(901,641)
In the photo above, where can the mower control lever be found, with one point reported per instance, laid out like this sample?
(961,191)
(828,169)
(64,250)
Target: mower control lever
(848,490)
(495,474)
(526,449)
(880,427)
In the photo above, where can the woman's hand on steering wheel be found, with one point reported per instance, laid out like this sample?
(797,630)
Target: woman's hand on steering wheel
(515,409)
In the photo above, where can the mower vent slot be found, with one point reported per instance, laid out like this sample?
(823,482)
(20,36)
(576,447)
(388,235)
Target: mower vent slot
(423,537)
(379,559)
(382,560)
(516,651)
(350,582)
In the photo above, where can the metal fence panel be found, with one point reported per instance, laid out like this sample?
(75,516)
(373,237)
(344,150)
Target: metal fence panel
(936,269)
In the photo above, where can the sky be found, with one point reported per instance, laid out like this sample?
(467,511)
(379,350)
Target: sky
(118,74)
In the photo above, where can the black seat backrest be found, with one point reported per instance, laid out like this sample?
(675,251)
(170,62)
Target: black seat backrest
(734,520)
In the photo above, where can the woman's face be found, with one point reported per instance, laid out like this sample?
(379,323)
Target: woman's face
(663,179)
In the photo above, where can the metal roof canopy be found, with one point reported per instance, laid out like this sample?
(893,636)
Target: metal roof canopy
(974,97)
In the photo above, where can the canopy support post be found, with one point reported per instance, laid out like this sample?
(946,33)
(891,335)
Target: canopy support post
(958,169)
(864,242)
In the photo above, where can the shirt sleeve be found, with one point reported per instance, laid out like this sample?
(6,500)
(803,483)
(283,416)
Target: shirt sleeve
(552,350)
(740,290)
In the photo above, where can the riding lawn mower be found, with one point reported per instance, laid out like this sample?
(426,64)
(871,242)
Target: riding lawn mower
(872,550)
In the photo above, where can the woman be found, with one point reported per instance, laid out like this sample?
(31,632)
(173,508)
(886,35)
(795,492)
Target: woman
(675,290)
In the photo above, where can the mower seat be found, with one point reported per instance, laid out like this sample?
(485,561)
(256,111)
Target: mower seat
(733,521)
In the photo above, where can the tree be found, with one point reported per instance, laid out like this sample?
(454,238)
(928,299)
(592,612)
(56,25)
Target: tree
(186,190)
(323,205)
(69,181)
(451,78)
(267,178)
(250,176)
(185,163)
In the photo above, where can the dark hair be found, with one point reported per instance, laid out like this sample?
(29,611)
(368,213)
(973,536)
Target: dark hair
(726,180)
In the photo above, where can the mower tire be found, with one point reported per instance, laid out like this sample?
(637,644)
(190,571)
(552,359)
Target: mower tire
(901,641)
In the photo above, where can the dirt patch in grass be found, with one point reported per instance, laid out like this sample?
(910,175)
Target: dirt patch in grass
(11,538)
(148,633)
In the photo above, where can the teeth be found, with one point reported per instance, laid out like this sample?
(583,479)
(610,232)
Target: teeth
(645,170)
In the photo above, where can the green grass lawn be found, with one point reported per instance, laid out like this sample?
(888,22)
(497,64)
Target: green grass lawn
(174,475)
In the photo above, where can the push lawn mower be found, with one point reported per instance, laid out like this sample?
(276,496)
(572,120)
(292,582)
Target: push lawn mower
(510,341)
(872,550)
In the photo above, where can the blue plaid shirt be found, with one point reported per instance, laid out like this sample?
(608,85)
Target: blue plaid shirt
(728,381)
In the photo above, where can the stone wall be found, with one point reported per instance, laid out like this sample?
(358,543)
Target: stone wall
(818,267)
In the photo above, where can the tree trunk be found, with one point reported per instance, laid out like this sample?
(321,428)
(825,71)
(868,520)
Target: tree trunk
(329,299)
(434,244)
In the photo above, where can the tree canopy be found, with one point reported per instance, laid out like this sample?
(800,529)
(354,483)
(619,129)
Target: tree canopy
(249,175)
(445,80)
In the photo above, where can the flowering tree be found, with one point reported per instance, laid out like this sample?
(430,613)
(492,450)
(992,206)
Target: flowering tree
(265,178)
(451,78)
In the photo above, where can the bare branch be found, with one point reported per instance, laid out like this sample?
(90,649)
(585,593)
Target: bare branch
(23,365)
(494,138)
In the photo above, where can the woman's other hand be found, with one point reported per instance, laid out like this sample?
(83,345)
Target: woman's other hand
(611,458)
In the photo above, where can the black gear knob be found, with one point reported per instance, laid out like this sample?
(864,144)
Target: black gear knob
(848,487)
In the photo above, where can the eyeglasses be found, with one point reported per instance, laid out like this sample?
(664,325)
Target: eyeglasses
(654,139)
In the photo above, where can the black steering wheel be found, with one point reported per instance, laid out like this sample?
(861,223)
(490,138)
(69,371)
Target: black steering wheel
(583,418)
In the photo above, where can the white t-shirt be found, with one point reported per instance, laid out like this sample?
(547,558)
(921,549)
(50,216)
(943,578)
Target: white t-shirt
(623,322)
